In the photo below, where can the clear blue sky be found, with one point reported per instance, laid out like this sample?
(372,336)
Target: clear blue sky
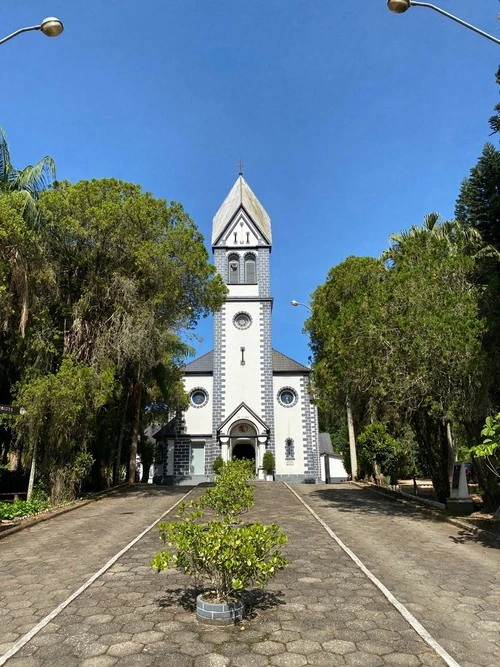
(351,123)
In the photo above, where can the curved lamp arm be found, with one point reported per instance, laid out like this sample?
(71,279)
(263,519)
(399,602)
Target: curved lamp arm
(51,27)
(401,6)
(298,303)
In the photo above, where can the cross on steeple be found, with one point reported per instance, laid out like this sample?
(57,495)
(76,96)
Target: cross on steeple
(240,166)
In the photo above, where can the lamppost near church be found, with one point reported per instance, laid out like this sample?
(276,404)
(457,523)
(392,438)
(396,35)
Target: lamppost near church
(401,6)
(51,27)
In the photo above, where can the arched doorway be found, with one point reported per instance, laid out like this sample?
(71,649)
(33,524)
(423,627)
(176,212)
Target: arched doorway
(243,441)
(244,450)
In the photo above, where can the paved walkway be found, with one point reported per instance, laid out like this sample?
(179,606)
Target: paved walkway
(322,610)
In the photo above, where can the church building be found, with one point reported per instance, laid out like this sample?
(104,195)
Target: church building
(245,396)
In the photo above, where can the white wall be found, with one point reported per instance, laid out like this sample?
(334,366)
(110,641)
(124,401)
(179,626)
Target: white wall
(199,420)
(242,382)
(288,424)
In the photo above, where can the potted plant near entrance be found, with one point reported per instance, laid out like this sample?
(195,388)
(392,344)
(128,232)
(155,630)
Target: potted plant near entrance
(268,464)
(224,555)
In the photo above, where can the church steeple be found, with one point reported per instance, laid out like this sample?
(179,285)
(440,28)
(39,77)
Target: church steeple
(241,206)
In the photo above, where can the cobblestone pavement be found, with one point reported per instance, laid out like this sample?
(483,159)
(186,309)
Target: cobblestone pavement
(449,579)
(322,610)
(43,565)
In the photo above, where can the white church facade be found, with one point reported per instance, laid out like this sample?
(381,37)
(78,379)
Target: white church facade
(245,396)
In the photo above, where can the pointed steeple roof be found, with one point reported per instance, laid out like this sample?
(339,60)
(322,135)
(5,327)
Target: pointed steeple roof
(241,195)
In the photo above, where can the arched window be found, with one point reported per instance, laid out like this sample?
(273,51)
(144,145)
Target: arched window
(233,269)
(289,449)
(250,273)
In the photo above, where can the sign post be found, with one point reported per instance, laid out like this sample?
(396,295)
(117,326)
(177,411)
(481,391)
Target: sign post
(11,410)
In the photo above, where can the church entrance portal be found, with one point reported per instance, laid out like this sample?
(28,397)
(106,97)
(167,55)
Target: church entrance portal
(244,450)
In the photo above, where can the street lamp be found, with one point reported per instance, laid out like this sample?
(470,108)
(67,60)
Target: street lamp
(297,303)
(51,27)
(401,6)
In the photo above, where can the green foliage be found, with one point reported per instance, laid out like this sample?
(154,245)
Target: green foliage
(218,464)
(491,438)
(377,448)
(495,119)
(30,181)
(20,509)
(403,339)
(93,299)
(268,462)
(222,555)
(231,495)
(478,204)
(61,413)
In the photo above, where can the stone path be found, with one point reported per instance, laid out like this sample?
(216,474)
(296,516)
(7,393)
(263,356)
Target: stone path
(322,610)
(448,578)
(42,565)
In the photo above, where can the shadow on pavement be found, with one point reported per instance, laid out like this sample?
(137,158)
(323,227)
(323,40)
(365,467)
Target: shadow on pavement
(255,600)
(366,501)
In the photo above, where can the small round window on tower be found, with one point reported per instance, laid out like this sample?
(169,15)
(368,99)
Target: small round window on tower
(242,320)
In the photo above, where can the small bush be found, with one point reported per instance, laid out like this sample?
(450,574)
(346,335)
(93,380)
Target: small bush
(223,555)
(268,461)
(20,509)
(218,464)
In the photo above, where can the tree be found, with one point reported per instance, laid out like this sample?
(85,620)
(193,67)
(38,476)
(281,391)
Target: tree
(341,356)
(31,180)
(129,273)
(478,204)
(495,119)
(404,340)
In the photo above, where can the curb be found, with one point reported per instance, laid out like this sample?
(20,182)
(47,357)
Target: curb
(58,511)
(428,508)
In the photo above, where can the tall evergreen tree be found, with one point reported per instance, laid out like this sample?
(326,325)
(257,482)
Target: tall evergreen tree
(478,204)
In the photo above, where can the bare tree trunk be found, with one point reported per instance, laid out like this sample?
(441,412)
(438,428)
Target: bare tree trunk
(116,468)
(136,422)
(452,450)
(32,474)
(352,440)
(13,457)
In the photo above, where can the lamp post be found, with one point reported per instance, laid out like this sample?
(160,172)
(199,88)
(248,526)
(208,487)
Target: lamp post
(401,6)
(51,27)
(298,303)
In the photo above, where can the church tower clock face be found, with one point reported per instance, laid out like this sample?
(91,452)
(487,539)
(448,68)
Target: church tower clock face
(242,320)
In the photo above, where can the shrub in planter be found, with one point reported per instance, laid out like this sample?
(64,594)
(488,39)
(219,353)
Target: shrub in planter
(268,463)
(224,555)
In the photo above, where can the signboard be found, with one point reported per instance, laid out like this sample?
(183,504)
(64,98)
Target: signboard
(11,410)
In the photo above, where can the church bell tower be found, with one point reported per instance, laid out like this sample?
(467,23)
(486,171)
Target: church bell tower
(243,413)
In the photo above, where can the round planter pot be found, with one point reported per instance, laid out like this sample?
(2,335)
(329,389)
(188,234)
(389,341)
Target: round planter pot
(218,613)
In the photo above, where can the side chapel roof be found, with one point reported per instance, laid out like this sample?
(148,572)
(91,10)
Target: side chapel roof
(204,365)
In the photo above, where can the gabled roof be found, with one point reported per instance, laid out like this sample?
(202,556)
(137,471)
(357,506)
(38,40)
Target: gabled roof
(167,431)
(204,365)
(284,364)
(325,444)
(242,408)
(239,196)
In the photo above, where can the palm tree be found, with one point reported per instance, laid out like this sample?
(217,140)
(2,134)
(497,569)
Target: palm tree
(31,180)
